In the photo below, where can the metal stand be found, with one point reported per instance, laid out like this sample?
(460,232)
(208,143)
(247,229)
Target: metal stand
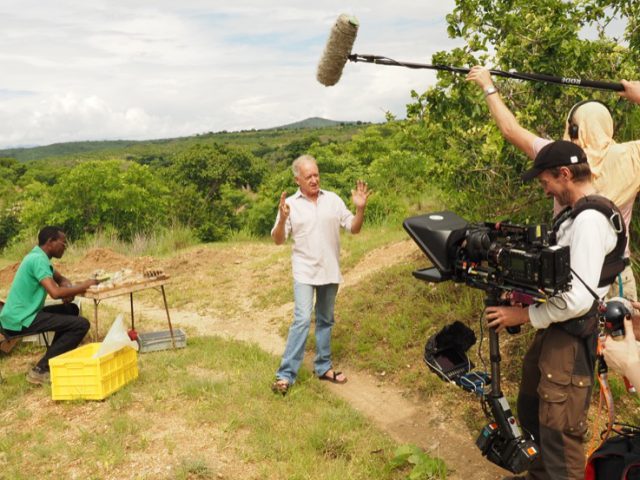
(498,404)
(166,308)
(156,284)
(502,441)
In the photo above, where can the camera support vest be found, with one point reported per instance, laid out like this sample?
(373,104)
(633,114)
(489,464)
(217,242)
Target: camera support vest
(614,261)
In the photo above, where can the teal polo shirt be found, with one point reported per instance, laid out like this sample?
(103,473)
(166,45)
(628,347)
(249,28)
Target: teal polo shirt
(26,295)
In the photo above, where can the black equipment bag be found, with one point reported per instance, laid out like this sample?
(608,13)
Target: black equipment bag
(445,352)
(618,458)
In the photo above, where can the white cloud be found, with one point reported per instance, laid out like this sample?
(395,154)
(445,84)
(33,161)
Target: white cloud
(78,70)
(69,117)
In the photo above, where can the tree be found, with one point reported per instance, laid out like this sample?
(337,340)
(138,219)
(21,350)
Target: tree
(209,178)
(468,157)
(96,195)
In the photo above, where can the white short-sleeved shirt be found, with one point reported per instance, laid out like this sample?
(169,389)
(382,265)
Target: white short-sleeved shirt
(315,230)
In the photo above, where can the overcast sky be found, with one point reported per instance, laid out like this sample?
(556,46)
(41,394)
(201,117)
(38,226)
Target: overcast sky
(140,69)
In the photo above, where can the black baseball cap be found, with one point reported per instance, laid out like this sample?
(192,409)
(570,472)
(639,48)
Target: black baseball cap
(555,154)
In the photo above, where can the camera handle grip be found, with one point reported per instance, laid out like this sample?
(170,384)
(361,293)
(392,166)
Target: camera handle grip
(497,300)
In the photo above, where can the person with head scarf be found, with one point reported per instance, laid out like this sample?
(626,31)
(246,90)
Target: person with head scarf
(615,166)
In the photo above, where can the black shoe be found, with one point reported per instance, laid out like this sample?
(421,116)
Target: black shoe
(38,376)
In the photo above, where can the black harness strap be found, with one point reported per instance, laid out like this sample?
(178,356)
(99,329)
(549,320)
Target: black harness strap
(614,261)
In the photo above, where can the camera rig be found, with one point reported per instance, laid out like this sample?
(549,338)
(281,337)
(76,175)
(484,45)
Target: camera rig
(491,256)
(508,262)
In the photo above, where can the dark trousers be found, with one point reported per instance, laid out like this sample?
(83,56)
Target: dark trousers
(69,328)
(554,396)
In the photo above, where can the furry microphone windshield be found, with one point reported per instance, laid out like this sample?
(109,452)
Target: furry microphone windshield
(337,51)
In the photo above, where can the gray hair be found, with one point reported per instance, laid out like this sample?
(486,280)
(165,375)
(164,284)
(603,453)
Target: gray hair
(295,166)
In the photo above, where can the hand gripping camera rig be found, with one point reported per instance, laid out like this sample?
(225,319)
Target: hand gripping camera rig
(500,259)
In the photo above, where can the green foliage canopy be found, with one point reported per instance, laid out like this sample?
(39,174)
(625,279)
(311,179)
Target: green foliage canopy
(478,169)
(95,195)
(217,184)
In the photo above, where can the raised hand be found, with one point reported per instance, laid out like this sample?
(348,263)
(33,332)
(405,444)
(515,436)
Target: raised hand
(622,355)
(481,76)
(631,91)
(360,194)
(283,207)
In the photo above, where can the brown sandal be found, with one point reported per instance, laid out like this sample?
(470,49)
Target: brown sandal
(280,386)
(332,377)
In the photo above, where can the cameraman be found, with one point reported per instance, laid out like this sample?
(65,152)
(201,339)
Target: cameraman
(615,166)
(557,369)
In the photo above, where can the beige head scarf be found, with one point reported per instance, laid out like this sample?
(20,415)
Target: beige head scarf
(615,166)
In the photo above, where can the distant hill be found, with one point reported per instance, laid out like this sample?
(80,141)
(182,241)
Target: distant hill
(255,140)
(315,122)
(68,148)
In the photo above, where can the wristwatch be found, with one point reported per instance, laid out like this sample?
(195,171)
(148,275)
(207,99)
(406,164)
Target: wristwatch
(490,91)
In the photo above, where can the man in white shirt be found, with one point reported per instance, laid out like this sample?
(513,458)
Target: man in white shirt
(313,217)
(557,369)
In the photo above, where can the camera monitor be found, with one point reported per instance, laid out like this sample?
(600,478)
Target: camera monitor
(436,234)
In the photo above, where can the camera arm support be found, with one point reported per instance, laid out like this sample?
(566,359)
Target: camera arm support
(502,441)
(497,402)
(492,299)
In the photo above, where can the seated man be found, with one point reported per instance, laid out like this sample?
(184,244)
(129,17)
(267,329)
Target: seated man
(23,312)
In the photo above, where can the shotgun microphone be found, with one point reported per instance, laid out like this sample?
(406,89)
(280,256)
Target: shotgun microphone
(343,35)
(337,50)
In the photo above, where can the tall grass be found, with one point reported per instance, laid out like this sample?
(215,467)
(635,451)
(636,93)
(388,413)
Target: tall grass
(20,246)
(245,235)
(201,412)
(161,242)
(382,324)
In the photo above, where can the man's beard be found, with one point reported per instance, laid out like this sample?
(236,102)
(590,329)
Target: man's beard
(564,198)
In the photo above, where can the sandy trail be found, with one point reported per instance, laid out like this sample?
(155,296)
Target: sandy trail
(405,419)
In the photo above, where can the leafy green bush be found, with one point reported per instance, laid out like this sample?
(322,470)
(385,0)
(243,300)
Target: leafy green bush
(472,164)
(95,195)
(209,181)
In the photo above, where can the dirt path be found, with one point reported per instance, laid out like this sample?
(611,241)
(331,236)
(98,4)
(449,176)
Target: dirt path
(405,419)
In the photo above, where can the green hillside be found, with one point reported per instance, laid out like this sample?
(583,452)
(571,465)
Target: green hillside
(254,139)
(214,184)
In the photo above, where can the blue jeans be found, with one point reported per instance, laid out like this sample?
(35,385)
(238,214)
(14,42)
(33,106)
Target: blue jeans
(297,338)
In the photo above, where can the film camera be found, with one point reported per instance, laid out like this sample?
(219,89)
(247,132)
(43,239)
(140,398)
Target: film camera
(497,258)
(491,256)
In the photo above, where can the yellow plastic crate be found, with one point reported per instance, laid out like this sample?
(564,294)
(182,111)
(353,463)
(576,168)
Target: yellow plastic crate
(76,375)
